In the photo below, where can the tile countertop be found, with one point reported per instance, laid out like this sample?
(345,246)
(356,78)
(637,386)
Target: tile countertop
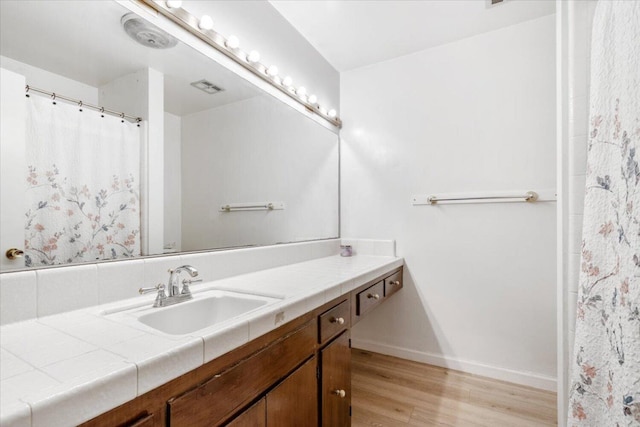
(65,369)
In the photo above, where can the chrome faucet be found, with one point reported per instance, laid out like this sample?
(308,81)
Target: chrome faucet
(174,284)
(174,293)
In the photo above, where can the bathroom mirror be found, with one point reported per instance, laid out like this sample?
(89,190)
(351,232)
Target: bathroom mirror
(214,163)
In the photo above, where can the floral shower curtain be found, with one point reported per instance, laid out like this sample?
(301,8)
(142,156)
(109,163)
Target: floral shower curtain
(83,185)
(605,383)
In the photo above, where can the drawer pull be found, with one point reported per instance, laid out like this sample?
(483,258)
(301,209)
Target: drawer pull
(340,393)
(374,296)
(338,320)
(395,283)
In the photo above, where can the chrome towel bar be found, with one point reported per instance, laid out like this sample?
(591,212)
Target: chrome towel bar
(514,196)
(529,196)
(266,206)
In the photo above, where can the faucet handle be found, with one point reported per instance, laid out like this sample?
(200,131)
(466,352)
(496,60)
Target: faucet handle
(185,286)
(159,287)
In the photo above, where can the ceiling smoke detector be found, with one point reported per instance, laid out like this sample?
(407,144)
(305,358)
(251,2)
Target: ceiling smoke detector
(207,86)
(146,33)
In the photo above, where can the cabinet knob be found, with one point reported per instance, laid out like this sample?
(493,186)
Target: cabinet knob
(340,393)
(338,320)
(374,296)
(14,253)
(395,283)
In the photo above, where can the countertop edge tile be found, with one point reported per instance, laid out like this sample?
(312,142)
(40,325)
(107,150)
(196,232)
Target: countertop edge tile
(15,414)
(70,405)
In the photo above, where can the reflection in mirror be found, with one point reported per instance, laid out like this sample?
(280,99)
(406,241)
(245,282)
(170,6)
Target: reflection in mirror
(214,163)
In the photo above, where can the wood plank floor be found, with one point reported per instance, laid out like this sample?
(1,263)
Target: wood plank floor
(387,391)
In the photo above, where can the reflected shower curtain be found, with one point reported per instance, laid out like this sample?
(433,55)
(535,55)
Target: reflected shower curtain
(605,383)
(83,185)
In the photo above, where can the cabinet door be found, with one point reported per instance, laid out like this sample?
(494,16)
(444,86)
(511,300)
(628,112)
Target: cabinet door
(336,382)
(255,416)
(294,402)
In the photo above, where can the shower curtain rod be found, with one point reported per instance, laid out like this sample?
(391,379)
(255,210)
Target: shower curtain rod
(81,104)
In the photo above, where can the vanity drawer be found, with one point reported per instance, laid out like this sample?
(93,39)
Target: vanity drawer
(333,321)
(393,283)
(369,298)
(214,401)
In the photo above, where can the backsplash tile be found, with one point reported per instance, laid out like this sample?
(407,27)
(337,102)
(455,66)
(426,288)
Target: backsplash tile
(119,280)
(156,270)
(27,295)
(65,289)
(18,297)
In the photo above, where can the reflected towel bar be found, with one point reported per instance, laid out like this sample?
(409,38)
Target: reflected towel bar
(529,196)
(269,206)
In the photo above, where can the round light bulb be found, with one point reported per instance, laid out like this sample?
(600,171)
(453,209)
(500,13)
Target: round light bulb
(322,110)
(313,99)
(302,91)
(206,23)
(174,4)
(232,42)
(287,81)
(332,113)
(272,71)
(253,56)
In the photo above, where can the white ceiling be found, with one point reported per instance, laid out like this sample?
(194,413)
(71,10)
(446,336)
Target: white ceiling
(352,34)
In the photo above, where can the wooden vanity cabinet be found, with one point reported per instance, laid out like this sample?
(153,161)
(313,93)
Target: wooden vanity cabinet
(293,402)
(255,416)
(296,375)
(218,398)
(335,382)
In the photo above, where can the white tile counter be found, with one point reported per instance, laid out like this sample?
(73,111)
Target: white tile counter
(65,369)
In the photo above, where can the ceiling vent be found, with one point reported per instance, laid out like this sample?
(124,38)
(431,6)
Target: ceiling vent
(207,86)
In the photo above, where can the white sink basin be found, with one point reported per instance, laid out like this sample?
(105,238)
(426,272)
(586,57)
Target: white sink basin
(206,309)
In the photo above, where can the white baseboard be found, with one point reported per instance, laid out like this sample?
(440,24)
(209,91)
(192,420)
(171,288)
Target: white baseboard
(518,377)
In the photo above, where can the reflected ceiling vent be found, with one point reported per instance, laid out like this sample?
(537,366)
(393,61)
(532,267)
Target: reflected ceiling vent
(207,87)
(146,33)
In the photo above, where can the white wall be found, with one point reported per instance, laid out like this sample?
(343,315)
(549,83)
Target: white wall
(172,181)
(257,150)
(259,26)
(51,82)
(13,167)
(478,114)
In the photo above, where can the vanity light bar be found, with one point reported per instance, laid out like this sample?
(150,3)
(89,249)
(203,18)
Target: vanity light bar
(201,28)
